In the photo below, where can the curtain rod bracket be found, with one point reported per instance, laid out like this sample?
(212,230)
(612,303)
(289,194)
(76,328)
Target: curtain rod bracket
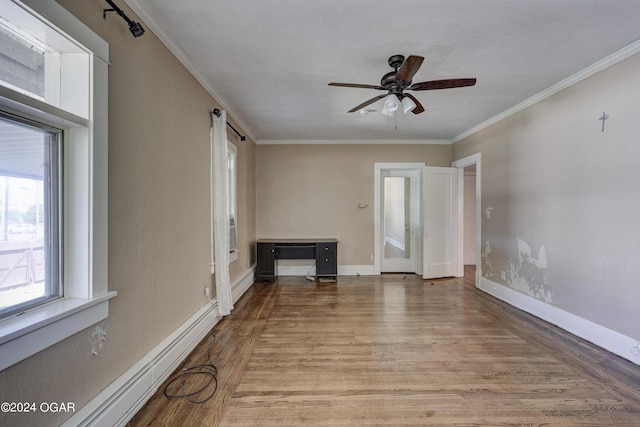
(135,27)
(216,112)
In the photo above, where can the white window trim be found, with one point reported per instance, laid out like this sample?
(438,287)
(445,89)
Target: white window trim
(85,221)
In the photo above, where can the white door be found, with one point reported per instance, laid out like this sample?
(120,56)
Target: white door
(400,220)
(440,244)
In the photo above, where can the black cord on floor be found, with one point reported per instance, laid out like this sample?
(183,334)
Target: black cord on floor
(206,370)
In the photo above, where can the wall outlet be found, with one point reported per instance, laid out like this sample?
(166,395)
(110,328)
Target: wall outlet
(206,291)
(503,275)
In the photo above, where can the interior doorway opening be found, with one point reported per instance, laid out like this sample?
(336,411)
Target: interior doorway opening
(398,221)
(471,191)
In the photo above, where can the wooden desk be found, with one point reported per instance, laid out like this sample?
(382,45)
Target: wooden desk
(324,251)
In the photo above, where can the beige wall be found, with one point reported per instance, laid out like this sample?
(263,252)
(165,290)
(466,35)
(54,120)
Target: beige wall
(567,193)
(159,220)
(314,191)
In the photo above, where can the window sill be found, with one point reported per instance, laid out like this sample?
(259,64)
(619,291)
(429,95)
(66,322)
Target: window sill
(24,335)
(233,256)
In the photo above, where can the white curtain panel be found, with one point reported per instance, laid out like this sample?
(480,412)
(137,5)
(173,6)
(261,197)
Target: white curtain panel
(219,207)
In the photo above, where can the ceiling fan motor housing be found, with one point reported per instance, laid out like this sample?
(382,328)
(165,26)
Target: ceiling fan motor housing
(390,83)
(388,80)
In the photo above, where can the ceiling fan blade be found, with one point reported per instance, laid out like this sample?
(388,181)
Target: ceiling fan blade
(357,85)
(409,68)
(442,84)
(369,102)
(419,108)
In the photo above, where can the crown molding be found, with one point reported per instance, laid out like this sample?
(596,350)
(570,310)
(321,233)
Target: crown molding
(352,141)
(164,37)
(607,62)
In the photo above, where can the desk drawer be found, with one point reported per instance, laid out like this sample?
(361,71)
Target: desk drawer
(295,251)
(326,266)
(326,249)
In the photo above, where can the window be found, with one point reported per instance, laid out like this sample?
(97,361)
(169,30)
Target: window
(30,194)
(53,178)
(232,156)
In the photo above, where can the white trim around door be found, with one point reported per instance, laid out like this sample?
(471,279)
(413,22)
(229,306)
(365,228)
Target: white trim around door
(474,159)
(379,168)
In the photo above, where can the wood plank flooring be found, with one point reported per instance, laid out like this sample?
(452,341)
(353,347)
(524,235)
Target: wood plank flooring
(395,350)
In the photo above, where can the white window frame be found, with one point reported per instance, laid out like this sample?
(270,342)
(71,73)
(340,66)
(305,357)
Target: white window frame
(82,114)
(45,285)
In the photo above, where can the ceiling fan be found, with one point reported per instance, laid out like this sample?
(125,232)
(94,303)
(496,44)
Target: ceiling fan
(397,81)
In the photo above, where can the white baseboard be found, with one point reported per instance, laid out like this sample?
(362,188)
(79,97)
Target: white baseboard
(243,284)
(310,269)
(354,270)
(123,398)
(615,342)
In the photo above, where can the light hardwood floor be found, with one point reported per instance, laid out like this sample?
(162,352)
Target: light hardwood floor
(395,350)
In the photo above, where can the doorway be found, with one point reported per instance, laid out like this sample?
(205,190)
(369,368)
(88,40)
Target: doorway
(470,250)
(398,218)
(418,233)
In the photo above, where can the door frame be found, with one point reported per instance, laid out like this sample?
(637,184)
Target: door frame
(377,215)
(474,159)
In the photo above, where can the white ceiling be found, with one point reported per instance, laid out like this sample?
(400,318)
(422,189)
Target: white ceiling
(268,62)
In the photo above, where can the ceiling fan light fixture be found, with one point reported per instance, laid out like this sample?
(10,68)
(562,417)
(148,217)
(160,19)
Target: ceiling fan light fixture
(408,104)
(390,104)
